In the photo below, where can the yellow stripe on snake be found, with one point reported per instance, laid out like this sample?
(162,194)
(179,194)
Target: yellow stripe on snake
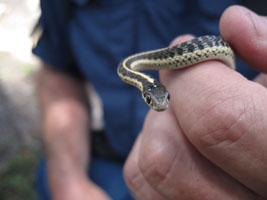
(180,56)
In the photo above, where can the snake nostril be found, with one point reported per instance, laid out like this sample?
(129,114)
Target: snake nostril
(168,97)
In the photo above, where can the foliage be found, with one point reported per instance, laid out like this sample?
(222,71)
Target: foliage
(17,177)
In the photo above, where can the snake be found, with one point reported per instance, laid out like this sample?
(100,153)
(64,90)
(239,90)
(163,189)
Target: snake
(197,50)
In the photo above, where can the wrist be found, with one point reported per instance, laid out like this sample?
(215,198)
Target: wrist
(76,186)
(64,179)
(64,168)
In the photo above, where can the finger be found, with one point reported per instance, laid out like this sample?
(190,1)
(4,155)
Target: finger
(261,79)
(181,38)
(224,115)
(176,170)
(247,33)
(134,177)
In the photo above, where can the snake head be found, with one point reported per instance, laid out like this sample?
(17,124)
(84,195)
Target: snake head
(156,96)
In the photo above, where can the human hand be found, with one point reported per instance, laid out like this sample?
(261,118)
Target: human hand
(211,143)
(77,188)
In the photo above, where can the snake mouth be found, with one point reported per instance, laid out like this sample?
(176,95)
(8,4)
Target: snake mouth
(160,108)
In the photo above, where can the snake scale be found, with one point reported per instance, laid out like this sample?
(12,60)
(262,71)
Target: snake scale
(180,56)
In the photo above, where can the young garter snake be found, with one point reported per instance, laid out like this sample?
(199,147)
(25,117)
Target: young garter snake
(180,56)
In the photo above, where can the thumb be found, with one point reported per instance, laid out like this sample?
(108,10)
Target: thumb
(247,33)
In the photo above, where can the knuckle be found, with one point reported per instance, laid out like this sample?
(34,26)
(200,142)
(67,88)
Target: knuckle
(155,165)
(132,177)
(226,121)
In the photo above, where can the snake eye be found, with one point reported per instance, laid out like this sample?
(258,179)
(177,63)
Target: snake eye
(148,99)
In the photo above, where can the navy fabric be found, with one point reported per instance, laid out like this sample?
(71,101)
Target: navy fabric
(111,172)
(106,173)
(90,37)
(41,181)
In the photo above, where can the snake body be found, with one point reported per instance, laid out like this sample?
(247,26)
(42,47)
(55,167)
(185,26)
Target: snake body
(180,56)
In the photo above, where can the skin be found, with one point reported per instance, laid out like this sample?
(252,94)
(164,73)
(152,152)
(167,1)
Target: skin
(211,143)
(66,123)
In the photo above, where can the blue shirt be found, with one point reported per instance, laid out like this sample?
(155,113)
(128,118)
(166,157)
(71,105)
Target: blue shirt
(89,39)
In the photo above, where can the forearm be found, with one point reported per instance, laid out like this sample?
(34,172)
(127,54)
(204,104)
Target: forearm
(65,125)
